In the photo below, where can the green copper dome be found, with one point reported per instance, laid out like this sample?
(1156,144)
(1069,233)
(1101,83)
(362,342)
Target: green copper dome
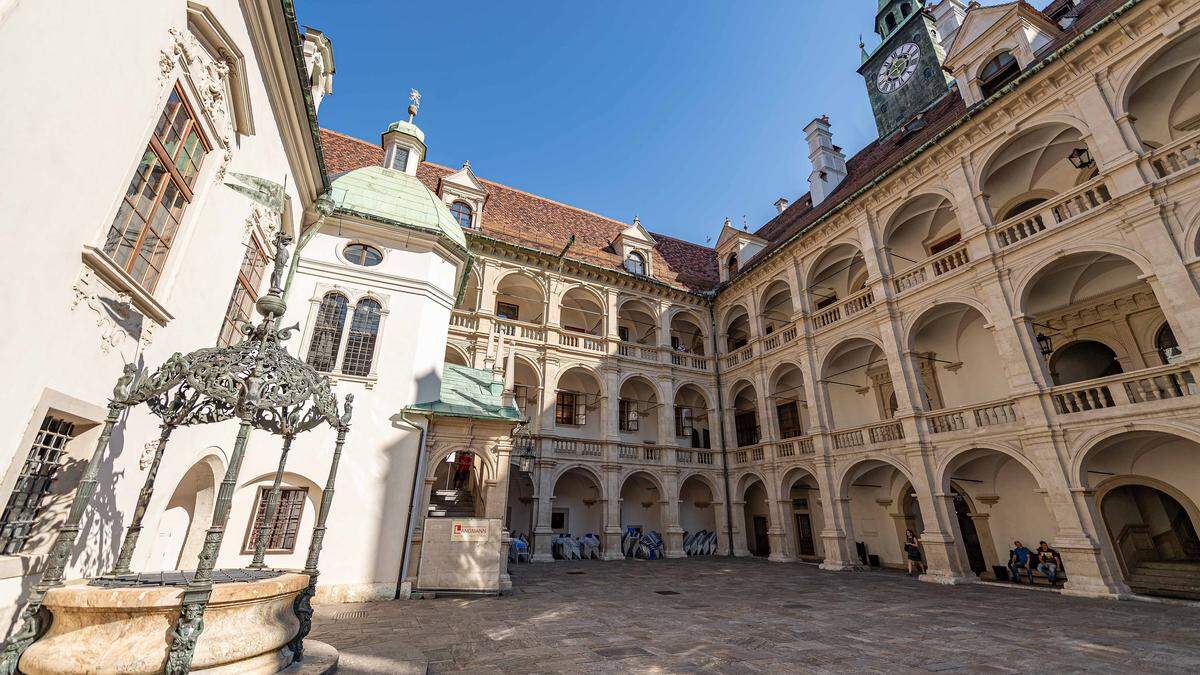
(397,197)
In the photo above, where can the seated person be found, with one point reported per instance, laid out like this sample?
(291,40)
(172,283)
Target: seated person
(1048,562)
(1020,557)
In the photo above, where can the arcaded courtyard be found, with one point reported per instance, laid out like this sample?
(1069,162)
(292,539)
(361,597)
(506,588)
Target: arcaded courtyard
(747,615)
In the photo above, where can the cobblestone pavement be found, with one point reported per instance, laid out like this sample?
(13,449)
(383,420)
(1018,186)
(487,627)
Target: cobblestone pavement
(742,615)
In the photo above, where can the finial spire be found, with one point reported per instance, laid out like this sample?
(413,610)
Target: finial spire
(415,97)
(862,48)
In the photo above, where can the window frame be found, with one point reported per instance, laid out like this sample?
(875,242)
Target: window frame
(502,309)
(396,150)
(642,264)
(470,213)
(43,480)
(628,420)
(260,506)
(246,285)
(364,247)
(184,186)
(685,421)
(352,299)
(569,409)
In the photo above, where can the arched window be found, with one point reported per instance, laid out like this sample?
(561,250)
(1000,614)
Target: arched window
(906,9)
(360,346)
(361,254)
(462,213)
(891,23)
(327,333)
(732,264)
(997,73)
(1167,345)
(636,263)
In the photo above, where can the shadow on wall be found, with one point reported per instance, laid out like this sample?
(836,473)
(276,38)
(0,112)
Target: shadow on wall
(399,473)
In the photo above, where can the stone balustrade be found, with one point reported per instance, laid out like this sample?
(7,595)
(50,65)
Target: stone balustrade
(1084,199)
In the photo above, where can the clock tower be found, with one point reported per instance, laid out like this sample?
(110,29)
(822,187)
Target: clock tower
(904,74)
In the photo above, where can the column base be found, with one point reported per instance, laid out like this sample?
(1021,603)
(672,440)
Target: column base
(1091,587)
(612,555)
(676,554)
(779,558)
(840,566)
(948,579)
(543,557)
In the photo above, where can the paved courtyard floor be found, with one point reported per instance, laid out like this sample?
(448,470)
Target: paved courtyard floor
(741,616)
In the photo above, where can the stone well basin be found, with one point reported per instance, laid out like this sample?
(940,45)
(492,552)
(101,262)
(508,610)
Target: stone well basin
(127,630)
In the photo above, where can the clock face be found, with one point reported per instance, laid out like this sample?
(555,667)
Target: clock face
(898,68)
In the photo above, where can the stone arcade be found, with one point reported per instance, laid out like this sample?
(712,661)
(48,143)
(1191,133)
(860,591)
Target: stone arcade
(984,326)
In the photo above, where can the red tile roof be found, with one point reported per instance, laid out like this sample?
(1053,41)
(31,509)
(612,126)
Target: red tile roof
(524,219)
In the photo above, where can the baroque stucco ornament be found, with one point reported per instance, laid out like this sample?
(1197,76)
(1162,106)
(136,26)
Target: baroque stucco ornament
(211,76)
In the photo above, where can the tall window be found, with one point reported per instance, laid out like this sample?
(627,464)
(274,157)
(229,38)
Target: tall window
(789,420)
(360,347)
(462,213)
(144,229)
(997,73)
(41,467)
(1168,346)
(569,409)
(245,293)
(627,410)
(636,263)
(732,264)
(285,525)
(685,421)
(399,158)
(327,334)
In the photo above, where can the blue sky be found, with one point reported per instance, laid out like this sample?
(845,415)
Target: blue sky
(682,113)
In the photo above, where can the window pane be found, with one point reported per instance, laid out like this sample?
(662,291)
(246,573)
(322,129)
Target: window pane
(37,475)
(327,334)
(360,347)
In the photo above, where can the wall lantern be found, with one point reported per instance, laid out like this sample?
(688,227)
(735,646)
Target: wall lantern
(1081,158)
(525,461)
(1045,344)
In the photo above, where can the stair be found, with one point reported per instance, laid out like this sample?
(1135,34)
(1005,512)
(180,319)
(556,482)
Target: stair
(451,504)
(1167,579)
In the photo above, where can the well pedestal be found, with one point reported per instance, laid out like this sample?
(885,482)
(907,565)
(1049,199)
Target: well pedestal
(247,626)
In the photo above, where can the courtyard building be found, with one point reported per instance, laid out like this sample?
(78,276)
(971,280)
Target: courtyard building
(983,327)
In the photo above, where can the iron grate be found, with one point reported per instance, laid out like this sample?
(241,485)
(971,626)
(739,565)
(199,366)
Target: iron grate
(667,592)
(353,614)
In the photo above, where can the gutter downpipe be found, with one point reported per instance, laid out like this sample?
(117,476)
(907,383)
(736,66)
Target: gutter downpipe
(712,316)
(413,500)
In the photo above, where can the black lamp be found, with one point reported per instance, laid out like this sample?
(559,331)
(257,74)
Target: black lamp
(1045,344)
(525,461)
(1081,158)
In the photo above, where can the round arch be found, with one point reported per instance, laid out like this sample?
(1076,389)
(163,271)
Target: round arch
(967,452)
(921,311)
(691,386)
(794,474)
(1089,442)
(486,457)
(1034,272)
(648,475)
(458,354)
(835,351)
(704,478)
(585,469)
(529,363)
(747,479)
(871,461)
(584,368)
(524,275)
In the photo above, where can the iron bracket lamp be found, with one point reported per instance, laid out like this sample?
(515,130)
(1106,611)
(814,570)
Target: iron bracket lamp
(1081,158)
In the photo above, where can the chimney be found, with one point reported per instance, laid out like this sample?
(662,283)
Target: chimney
(949,15)
(828,162)
(781,204)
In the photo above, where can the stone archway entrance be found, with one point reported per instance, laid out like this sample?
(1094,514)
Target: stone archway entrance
(970,534)
(1155,540)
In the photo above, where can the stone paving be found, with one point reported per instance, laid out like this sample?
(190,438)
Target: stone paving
(748,615)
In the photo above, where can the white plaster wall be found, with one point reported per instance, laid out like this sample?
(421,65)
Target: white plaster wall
(691,517)
(635,492)
(569,494)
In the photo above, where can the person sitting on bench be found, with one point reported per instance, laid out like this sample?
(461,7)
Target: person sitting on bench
(1048,562)
(1020,557)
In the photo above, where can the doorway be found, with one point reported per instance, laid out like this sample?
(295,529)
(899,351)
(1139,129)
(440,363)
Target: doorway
(806,545)
(1155,539)
(762,542)
(970,535)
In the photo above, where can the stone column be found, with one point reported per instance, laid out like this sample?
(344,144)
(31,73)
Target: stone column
(1103,136)
(672,530)
(944,558)
(835,511)
(542,533)
(612,513)
(738,526)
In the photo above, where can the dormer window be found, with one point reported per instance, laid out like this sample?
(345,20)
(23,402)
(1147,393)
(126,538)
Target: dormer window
(635,263)
(399,158)
(732,264)
(997,73)
(462,213)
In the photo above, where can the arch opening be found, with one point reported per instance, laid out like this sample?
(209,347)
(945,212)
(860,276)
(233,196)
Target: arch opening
(955,357)
(693,428)
(858,384)
(519,297)
(1032,168)
(1163,99)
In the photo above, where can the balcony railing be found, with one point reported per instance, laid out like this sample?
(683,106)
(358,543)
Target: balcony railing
(1175,157)
(792,447)
(742,355)
(1142,386)
(689,361)
(880,432)
(934,266)
(780,338)
(976,416)
(525,331)
(567,446)
(1083,199)
(464,320)
(635,351)
(581,341)
(844,309)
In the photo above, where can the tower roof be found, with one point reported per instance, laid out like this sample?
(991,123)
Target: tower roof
(396,197)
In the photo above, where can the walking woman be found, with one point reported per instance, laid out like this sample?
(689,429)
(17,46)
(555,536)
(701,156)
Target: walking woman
(913,553)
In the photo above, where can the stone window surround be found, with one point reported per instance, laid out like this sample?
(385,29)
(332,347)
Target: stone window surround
(89,420)
(353,296)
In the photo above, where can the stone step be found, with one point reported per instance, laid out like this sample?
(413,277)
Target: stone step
(1158,591)
(1166,574)
(1181,565)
